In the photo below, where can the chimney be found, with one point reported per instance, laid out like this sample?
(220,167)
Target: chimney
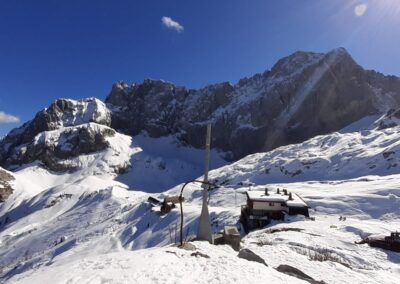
(290,196)
(266,191)
(277,190)
(285,192)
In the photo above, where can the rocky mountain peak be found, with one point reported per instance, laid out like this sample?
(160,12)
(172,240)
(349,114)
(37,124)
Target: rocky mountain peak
(65,112)
(295,63)
(340,51)
(303,95)
(70,119)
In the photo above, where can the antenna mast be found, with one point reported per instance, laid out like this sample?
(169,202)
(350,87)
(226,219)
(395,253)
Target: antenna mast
(204,231)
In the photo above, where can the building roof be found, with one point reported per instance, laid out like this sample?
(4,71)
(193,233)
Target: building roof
(259,195)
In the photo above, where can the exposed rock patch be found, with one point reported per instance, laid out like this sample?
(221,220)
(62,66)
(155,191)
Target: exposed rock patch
(293,271)
(5,184)
(251,256)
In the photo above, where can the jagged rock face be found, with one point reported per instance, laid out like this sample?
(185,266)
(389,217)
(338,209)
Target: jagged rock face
(63,130)
(152,106)
(5,184)
(303,95)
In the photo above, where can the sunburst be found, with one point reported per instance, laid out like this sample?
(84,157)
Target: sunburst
(389,9)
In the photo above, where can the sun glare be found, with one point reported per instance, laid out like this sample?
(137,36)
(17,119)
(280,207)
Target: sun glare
(360,9)
(388,9)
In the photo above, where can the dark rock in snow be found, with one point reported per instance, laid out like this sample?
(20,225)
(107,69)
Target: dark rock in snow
(251,256)
(292,271)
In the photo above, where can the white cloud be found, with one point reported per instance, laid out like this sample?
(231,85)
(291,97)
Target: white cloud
(171,24)
(360,10)
(8,118)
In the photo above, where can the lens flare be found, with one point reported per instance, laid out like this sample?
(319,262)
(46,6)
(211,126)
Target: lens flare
(360,9)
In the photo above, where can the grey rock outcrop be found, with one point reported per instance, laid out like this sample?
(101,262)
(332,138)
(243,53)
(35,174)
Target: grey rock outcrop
(251,256)
(6,188)
(293,271)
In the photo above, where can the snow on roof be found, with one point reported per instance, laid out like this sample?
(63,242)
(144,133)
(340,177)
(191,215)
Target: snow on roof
(296,202)
(258,195)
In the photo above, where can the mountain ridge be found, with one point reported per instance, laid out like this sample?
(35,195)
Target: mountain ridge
(236,111)
(303,95)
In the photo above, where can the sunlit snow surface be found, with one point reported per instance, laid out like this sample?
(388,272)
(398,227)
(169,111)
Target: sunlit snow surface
(88,227)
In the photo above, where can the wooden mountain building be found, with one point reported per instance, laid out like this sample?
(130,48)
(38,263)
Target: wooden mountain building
(264,206)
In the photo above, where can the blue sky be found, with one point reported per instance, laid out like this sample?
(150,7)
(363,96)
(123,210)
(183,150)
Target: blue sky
(78,48)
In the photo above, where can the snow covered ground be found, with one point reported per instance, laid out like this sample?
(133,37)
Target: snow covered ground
(158,265)
(337,156)
(161,163)
(83,227)
(104,236)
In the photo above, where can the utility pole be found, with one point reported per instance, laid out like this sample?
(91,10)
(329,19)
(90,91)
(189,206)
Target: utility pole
(207,154)
(204,231)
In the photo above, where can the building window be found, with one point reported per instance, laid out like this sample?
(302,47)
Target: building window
(271,204)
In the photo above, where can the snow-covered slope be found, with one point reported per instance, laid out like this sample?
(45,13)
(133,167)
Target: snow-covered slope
(91,228)
(207,264)
(96,223)
(161,163)
(336,156)
(76,147)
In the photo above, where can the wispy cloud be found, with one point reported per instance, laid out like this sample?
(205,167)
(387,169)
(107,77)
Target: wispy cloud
(8,118)
(171,24)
